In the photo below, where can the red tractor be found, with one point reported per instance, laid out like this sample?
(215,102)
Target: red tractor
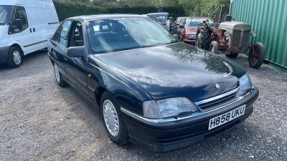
(232,38)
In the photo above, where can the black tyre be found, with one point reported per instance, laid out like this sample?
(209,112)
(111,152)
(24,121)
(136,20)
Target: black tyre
(113,120)
(59,77)
(256,55)
(231,55)
(15,57)
(205,38)
(214,47)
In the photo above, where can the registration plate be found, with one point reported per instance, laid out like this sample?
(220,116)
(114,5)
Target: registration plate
(226,117)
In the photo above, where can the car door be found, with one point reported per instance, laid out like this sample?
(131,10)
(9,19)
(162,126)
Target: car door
(59,44)
(76,66)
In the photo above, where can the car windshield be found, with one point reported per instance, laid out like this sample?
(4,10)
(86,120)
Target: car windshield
(160,19)
(4,13)
(126,33)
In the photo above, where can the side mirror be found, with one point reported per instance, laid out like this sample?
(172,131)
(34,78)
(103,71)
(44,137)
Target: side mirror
(181,26)
(78,51)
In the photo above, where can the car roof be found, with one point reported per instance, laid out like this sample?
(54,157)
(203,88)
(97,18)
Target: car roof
(199,18)
(190,19)
(157,13)
(85,18)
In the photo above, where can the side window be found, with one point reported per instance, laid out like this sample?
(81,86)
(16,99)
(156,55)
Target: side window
(19,20)
(62,34)
(76,38)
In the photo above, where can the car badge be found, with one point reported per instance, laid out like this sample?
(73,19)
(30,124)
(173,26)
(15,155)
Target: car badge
(217,86)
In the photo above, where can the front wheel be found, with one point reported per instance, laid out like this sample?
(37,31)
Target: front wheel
(15,57)
(256,55)
(214,47)
(231,55)
(113,120)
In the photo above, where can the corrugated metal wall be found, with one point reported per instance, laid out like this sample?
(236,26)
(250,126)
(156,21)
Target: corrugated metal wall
(269,20)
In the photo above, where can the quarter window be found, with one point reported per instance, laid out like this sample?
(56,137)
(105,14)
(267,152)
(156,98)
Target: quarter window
(19,20)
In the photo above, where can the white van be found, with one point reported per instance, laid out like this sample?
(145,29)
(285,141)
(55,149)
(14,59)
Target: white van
(25,26)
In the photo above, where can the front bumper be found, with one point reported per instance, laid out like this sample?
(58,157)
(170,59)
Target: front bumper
(4,54)
(163,137)
(188,41)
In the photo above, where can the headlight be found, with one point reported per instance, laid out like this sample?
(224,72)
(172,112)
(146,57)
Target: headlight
(166,108)
(245,85)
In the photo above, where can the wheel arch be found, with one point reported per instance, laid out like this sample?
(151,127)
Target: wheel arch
(17,44)
(98,93)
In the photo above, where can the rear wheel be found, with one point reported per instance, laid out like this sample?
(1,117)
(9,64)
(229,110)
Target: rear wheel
(113,120)
(256,55)
(205,40)
(15,57)
(59,77)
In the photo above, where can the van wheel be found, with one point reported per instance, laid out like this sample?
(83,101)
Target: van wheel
(113,120)
(15,57)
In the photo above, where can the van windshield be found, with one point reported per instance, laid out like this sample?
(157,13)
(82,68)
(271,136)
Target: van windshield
(4,13)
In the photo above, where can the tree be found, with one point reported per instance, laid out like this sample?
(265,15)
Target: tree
(210,8)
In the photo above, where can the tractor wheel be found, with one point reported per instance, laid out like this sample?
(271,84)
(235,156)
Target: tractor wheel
(227,53)
(205,40)
(214,47)
(256,55)
(198,40)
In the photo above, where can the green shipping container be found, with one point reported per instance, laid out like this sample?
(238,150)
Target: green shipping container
(269,20)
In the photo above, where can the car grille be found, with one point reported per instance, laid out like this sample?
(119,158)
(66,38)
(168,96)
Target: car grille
(220,100)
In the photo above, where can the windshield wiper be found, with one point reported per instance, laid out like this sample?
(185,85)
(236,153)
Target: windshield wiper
(2,23)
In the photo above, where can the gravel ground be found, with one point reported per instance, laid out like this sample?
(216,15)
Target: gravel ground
(41,121)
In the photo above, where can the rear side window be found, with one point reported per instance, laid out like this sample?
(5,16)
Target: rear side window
(19,20)
(62,34)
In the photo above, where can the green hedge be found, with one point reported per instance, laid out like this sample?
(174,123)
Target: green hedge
(173,11)
(66,10)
